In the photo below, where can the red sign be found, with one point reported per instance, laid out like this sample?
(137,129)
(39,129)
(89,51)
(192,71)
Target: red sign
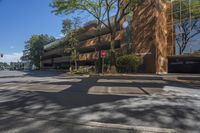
(103,53)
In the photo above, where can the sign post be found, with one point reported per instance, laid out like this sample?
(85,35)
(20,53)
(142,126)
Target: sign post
(103,55)
(102,65)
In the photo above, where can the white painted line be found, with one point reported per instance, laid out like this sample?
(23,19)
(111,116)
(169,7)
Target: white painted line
(112,90)
(130,81)
(114,81)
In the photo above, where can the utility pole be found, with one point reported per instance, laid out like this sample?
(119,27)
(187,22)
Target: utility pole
(1,56)
(190,12)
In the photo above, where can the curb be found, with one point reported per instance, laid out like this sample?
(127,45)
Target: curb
(127,75)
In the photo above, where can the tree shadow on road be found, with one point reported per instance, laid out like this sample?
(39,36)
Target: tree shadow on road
(77,104)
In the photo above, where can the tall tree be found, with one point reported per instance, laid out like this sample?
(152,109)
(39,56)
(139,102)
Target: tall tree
(187,18)
(107,12)
(34,48)
(69,30)
(72,42)
(66,26)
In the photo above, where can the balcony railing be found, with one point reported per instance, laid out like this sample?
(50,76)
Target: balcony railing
(104,38)
(48,61)
(57,51)
(90,43)
(89,56)
(62,59)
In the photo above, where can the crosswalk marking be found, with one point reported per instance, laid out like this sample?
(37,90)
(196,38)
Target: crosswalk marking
(111,90)
(35,87)
(129,81)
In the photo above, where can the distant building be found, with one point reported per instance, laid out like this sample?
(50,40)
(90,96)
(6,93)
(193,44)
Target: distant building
(27,65)
(16,65)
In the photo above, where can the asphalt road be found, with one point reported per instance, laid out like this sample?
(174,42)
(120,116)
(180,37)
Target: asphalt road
(50,102)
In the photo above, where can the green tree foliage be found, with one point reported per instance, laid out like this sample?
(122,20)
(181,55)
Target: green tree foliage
(187,20)
(66,26)
(108,13)
(197,52)
(34,48)
(128,63)
(3,65)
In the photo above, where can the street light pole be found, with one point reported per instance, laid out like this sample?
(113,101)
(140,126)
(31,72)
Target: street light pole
(103,66)
(0,60)
(1,56)
(126,26)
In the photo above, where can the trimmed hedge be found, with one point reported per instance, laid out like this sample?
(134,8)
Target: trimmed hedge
(128,63)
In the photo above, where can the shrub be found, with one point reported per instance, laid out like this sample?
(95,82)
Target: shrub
(197,52)
(84,70)
(128,63)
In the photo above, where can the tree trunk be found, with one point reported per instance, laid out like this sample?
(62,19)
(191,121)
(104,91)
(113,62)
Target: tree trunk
(180,51)
(75,62)
(112,54)
(99,66)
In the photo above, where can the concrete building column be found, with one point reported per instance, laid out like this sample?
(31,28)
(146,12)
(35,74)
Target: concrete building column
(152,32)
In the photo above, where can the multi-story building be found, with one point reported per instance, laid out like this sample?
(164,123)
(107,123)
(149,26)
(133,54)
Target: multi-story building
(151,38)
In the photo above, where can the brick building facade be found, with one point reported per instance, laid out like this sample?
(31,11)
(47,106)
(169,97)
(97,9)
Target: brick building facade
(151,39)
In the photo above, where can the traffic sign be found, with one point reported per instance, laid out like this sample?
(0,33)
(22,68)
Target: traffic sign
(103,53)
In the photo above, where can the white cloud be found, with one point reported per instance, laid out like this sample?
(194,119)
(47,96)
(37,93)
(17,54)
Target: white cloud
(12,47)
(14,57)
(60,36)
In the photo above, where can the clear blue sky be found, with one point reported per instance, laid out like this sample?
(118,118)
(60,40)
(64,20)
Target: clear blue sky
(19,19)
